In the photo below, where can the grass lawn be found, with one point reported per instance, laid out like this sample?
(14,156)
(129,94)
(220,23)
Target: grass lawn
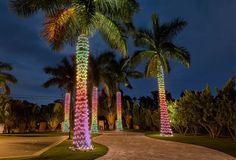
(48,134)
(226,145)
(62,152)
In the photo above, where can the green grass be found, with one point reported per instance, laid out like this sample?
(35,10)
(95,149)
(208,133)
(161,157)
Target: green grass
(226,145)
(62,152)
(48,134)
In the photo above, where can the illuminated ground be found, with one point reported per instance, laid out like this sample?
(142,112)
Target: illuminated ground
(136,146)
(22,146)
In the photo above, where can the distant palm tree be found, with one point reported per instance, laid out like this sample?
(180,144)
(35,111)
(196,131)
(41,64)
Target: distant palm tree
(74,21)
(6,78)
(63,76)
(122,71)
(99,73)
(158,50)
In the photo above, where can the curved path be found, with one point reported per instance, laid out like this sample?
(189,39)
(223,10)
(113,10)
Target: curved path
(136,146)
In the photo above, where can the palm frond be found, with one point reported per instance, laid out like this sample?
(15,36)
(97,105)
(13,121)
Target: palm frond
(110,32)
(53,82)
(27,8)
(134,74)
(141,55)
(5,66)
(169,30)
(59,26)
(117,9)
(177,53)
(155,25)
(8,78)
(144,38)
(151,69)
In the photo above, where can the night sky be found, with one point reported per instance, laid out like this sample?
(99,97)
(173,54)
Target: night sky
(210,37)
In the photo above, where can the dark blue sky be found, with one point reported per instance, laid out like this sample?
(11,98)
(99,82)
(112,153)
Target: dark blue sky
(210,37)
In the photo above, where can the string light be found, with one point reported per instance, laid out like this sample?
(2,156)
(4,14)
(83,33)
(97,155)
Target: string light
(94,125)
(66,125)
(165,123)
(119,111)
(81,138)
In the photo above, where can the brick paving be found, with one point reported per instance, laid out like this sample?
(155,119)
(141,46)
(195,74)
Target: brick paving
(136,146)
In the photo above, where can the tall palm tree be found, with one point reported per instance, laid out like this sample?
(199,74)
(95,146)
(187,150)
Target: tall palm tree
(99,73)
(63,76)
(158,49)
(122,71)
(74,21)
(6,78)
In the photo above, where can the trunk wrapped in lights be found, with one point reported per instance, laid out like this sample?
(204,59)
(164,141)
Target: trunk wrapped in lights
(94,125)
(119,110)
(66,124)
(81,139)
(165,123)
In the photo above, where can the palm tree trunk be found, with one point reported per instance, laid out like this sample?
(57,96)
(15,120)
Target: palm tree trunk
(94,125)
(81,139)
(66,124)
(165,123)
(119,110)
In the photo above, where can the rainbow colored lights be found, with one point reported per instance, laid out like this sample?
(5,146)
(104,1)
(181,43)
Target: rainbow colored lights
(94,124)
(119,111)
(165,123)
(81,138)
(66,124)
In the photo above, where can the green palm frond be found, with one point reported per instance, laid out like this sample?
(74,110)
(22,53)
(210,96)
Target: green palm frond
(134,74)
(144,38)
(169,30)
(177,53)
(151,69)
(158,42)
(8,77)
(117,9)
(63,75)
(29,7)
(110,32)
(5,66)
(155,25)
(140,55)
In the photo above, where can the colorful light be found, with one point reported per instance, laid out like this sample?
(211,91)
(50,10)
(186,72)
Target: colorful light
(94,124)
(81,138)
(165,123)
(66,125)
(119,111)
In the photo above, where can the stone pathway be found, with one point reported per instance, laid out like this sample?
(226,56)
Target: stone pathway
(136,146)
(15,147)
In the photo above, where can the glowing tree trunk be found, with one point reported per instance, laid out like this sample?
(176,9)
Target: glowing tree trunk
(66,124)
(119,110)
(165,123)
(94,125)
(81,139)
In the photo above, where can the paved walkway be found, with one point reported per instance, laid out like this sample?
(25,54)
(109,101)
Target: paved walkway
(15,147)
(136,146)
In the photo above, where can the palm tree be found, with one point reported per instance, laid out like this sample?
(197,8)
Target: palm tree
(158,49)
(122,71)
(6,78)
(63,76)
(74,21)
(99,73)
